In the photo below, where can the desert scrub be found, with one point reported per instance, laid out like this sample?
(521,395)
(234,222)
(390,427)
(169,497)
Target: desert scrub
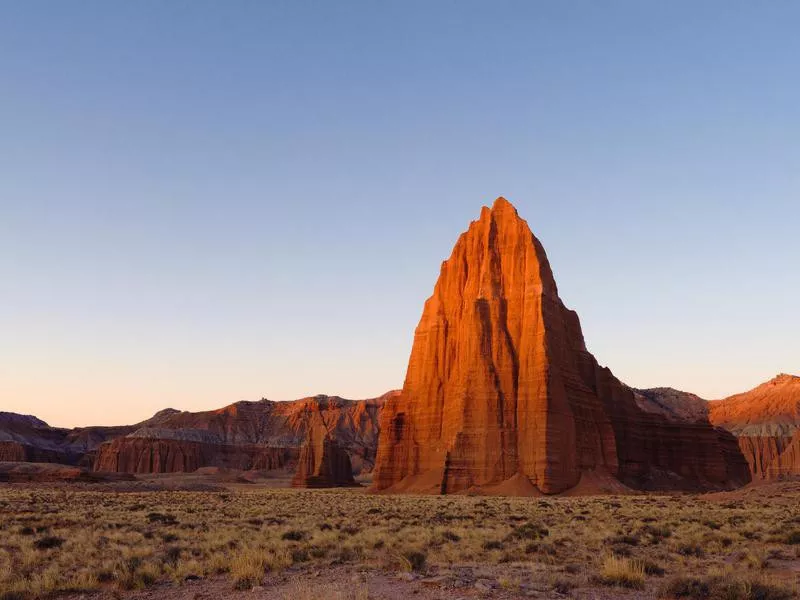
(724,588)
(247,569)
(623,572)
(114,541)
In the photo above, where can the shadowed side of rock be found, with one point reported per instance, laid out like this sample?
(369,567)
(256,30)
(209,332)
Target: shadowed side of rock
(322,463)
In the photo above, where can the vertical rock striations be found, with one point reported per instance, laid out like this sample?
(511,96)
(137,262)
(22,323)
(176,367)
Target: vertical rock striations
(500,386)
(322,463)
(766,421)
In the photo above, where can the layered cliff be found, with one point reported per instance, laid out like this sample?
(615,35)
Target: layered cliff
(247,435)
(257,435)
(173,455)
(500,386)
(26,438)
(772,408)
(322,462)
(766,421)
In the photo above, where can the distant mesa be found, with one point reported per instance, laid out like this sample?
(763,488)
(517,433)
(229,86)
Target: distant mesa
(500,388)
(249,436)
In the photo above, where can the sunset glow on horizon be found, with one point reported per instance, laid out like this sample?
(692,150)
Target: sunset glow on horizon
(200,206)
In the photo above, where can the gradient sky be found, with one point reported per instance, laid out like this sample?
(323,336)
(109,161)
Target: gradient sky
(203,202)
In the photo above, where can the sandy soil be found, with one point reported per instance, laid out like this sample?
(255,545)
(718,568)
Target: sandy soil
(348,583)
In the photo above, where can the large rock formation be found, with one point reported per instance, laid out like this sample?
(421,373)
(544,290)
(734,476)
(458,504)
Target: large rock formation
(500,387)
(766,421)
(322,462)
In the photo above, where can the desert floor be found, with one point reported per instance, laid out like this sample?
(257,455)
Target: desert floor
(237,540)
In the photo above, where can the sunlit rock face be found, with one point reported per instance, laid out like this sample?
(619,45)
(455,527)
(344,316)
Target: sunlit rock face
(262,435)
(500,386)
(766,421)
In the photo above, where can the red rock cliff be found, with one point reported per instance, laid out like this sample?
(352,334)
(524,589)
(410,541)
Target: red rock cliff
(500,385)
(148,455)
(322,463)
(766,421)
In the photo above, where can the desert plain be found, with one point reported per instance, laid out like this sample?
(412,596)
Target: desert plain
(197,536)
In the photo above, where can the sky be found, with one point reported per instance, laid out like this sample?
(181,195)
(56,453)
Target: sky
(203,202)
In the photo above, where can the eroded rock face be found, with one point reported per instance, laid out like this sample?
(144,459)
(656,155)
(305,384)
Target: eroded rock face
(500,385)
(322,463)
(772,408)
(26,438)
(154,455)
(353,424)
(766,421)
(771,457)
(175,440)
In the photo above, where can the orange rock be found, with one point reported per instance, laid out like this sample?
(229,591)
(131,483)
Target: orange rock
(253,434)
(772,408)
(158,455)
(322,462)
(771,457)
(500,385)
(766,420)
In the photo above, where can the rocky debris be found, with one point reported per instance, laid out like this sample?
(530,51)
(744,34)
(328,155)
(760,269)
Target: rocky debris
(322,462)
(500,385)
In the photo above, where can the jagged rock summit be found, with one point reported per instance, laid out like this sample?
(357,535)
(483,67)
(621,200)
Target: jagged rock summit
(500,387)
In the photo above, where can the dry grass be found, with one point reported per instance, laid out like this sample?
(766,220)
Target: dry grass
(623,572)
(55,540)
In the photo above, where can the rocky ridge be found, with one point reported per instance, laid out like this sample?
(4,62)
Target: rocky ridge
(765,421)
(262,435)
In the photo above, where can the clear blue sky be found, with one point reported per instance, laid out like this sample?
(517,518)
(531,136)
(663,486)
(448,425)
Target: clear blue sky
(202,202)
